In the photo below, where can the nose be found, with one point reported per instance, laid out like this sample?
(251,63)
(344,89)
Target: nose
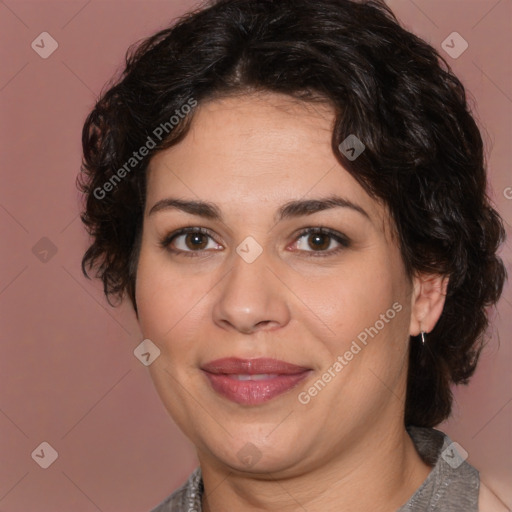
(251,298)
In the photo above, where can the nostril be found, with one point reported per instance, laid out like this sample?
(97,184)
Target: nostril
(267,323)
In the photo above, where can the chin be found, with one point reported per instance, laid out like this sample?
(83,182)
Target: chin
(253,452)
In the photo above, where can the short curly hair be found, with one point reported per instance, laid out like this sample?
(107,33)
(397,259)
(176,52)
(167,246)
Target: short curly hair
(424,155)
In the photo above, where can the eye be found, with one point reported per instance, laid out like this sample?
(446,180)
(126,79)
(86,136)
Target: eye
(320,240)
(194,241)
(190,240)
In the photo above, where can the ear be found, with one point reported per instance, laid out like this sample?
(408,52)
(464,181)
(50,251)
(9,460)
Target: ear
(427,301)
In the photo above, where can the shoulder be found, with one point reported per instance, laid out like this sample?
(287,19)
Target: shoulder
(173,503)
(489,502)
(185,499)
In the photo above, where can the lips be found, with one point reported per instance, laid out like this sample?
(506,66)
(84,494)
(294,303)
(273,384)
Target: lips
(253,381)
(233,365)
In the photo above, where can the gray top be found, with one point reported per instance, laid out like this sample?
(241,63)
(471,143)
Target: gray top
(451,486)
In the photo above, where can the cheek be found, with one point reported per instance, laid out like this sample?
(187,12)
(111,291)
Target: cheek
(167,306)
(368,312)
(354,298)
(147,294)
(156,294)
(366,308)
(168,302)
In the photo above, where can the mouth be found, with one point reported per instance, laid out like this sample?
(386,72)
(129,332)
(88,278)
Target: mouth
(253,381)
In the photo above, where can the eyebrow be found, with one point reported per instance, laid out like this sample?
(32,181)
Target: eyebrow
(291,209)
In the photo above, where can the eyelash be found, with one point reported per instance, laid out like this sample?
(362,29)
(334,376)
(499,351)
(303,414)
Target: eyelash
(338,237)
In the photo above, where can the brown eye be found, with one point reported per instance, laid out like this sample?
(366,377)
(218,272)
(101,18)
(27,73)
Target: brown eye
(196,241)
(319,241)
(190,241)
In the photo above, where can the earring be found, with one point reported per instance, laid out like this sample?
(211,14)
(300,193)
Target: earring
(423,337)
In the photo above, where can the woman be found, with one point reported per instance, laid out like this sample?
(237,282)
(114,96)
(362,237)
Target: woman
(292,195)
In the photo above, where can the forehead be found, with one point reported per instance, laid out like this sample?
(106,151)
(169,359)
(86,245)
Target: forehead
(255,130)
(254,150)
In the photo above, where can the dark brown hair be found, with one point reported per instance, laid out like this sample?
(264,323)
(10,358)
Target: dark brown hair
(423,153)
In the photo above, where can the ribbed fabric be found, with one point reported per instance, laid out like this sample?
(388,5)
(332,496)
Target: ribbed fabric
(451,486)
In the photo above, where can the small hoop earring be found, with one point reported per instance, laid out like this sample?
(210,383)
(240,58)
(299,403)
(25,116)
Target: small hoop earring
(423,337)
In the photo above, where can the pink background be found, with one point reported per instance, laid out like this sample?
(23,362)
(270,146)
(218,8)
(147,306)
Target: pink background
(68,373)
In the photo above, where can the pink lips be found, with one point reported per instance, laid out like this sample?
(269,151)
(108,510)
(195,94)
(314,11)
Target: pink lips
(253,381)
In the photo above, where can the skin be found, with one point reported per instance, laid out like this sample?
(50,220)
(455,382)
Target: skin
(347,448)
(488,501)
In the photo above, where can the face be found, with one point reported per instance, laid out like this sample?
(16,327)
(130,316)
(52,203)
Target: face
(269,269)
